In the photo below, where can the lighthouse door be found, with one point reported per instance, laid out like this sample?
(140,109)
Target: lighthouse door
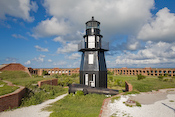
(92,82)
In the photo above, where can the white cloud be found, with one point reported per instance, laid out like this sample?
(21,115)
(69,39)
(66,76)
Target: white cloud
(39,59)
(60,63)
(74,56)
(17,8)
(28,62)
(59,39)
(38,48)
(116,16)
(42,56)
(19,36)
(133,46)
(51,27)
(11,59)
(49,60)
(160,28)
(154,53)
(67,48)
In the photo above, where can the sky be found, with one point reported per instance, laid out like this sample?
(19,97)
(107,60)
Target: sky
(46,33)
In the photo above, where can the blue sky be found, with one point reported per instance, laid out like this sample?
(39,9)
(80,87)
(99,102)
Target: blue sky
(45,33)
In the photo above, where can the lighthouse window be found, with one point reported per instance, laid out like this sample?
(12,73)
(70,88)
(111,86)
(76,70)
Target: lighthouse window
(91,41)
(92,30)
(98,39)
(91,59)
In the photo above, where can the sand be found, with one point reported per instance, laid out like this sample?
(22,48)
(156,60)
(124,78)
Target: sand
(153,104)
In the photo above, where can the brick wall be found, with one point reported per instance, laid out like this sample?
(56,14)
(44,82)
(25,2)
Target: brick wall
(12,100)
(49,82)
(128,87)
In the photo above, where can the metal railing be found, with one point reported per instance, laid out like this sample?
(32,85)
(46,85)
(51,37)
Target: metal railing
(101,45)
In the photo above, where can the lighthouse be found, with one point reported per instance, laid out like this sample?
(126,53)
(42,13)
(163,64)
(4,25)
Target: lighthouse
(93,70)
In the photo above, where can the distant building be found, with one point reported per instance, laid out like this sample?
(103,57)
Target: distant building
(52,71)
(148,71)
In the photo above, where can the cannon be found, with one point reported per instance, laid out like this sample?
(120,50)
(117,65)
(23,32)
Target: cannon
(87,89)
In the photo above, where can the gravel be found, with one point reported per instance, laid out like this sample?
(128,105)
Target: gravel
(154,104)
(32,111)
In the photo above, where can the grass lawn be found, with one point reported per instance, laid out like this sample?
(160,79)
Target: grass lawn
(78,106)
(148,84)
(20,78)
(5,89)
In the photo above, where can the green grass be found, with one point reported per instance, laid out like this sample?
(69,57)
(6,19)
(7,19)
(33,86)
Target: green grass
(5,89)
(144,85)
(20,78)
(13,74)
(78,106)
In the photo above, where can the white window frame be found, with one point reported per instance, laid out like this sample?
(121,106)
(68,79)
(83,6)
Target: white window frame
(91,59)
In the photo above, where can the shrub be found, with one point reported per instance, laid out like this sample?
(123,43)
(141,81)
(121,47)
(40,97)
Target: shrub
(79,93)
(138,104)
(45,73)
(140,77)
(160,77)
(110,78)
(110,73)
(74,75)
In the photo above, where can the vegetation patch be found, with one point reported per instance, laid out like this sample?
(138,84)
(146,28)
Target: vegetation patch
(5,89)
(148,84)
(36,95)
(115,98)
(78,106)
(131,92)
(140,77)
(13,74)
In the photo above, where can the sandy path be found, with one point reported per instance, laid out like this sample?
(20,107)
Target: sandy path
(155,104)
(32,111)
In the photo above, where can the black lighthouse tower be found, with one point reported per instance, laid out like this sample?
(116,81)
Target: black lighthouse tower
(93,71)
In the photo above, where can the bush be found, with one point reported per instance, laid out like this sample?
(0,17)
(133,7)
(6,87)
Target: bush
(140,77)
(37,95)
(74,75)
(79,93)
(111,78)
(45,73)
(110,73)
(160,77)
